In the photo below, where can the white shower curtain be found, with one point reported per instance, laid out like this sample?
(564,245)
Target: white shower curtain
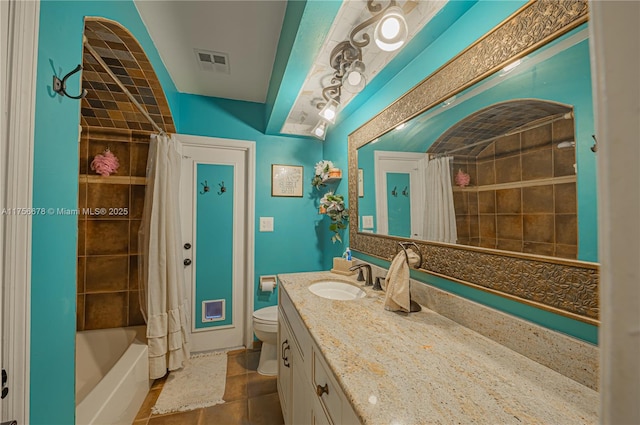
(162,293)
(440,215)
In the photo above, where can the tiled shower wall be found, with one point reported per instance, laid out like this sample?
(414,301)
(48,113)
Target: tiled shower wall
(522,195)
(110,212)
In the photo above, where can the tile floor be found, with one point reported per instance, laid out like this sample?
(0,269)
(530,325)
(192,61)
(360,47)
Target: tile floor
(250,398)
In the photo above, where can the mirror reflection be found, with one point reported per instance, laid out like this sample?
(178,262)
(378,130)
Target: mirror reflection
(506,164)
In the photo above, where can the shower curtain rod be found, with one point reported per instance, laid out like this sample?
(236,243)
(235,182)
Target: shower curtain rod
(552,119)
(122,87)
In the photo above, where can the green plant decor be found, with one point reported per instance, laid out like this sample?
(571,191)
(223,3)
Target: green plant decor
(333,205)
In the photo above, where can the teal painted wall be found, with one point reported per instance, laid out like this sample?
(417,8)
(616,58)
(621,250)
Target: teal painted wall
(480,18)
(214,241)
(295,245)
(55,185)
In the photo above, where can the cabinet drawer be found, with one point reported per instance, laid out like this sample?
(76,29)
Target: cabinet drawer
(327,390)
(295,322)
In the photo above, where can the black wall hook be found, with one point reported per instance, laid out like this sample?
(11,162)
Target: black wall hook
(60,86)
(205,188)
(222,188)
(594,148)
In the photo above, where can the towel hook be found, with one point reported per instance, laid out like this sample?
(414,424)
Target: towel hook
(222,188)
(404,246)
(60,86)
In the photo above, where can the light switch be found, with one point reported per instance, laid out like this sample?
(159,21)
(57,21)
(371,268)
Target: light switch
(367,222)
(266,224)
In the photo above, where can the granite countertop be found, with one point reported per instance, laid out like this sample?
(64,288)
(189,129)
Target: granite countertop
(422,368)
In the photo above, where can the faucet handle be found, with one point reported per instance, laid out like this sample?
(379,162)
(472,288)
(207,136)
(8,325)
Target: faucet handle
(360,277)
(377,286)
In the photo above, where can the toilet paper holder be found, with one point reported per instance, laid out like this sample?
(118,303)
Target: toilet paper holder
(268,283)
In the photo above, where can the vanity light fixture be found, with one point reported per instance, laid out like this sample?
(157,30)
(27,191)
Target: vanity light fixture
(320,130)
(330,111)
(389,34)
(391,31)
(354,80)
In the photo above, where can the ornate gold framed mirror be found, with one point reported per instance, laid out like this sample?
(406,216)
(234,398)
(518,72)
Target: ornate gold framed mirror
(560,284)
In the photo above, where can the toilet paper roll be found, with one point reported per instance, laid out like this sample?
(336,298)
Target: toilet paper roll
(267,285)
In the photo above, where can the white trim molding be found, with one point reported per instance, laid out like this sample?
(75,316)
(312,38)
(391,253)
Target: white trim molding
(20,20)
(615,42)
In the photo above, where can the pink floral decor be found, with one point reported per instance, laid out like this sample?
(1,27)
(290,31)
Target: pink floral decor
(462,178)
(105,164)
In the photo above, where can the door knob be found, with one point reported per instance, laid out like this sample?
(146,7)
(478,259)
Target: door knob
(187,262)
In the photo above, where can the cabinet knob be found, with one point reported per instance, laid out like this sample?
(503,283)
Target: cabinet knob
(187,262)
(322,390)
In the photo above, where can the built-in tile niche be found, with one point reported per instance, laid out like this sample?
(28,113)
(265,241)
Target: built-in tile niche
(107,281)
(523,193)
(110,216)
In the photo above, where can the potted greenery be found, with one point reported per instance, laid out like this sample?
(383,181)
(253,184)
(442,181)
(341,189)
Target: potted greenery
(333,205)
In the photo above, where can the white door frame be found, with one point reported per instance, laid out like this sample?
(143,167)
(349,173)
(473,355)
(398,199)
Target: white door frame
(250,148)
(399,162)
(614,43)
(20,26)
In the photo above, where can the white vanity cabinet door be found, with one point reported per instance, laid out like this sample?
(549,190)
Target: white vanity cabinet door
(285,343)
(301,394)
(301,370)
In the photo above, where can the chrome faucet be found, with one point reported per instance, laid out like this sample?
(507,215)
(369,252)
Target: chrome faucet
(359,267)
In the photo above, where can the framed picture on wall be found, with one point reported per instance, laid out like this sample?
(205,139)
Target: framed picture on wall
(286,180)
(360,182)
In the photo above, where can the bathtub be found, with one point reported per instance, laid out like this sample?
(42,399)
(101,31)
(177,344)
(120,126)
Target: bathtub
(112,375)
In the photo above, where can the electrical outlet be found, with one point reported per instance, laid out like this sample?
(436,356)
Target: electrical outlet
(266,224)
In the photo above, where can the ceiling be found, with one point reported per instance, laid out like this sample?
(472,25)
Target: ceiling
(250,34)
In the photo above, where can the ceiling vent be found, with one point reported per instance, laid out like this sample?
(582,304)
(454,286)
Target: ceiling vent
(213,61)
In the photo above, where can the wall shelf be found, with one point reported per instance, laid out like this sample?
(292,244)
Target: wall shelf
(90,178)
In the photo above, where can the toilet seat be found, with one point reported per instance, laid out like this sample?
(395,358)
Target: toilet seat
(266,315)
(265,327)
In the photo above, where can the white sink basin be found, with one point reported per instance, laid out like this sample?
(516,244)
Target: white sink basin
(336,290)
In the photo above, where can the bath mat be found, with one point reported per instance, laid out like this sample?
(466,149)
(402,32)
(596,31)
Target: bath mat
(200,383)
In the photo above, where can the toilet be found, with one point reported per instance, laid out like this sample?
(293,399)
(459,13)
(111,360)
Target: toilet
(265,326)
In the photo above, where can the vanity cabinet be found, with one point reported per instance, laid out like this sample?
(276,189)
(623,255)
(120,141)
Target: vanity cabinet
(307,389)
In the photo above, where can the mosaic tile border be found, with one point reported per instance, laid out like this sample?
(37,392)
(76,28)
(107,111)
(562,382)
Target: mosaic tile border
(566,287)
(106,105)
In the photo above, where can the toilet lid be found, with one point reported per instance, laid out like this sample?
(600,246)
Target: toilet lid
(269,314)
